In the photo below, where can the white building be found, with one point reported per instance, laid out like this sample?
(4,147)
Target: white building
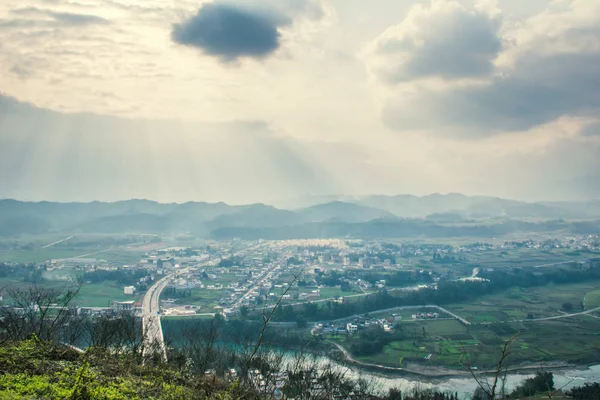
(123,305)
(351,328)
(129,289)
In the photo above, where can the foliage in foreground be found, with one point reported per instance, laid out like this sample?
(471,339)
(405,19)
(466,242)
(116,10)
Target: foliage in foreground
(34,369)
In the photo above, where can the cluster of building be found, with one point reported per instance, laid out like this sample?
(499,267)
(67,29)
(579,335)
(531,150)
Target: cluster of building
(425,316)
(353,326)
(263,272)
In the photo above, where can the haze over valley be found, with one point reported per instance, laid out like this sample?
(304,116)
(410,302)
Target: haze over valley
(300,199)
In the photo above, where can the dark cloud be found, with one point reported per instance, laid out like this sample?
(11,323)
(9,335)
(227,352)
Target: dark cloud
(539,89)
(538,79)
(445,40)
(229,32)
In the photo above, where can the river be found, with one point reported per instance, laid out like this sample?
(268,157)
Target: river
(465,386)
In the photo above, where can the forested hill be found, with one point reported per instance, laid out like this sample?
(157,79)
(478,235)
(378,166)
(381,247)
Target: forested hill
(369,217)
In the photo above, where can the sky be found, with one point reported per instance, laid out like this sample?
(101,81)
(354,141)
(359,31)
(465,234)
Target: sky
(249,101)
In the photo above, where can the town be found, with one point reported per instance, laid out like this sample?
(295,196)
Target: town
(234,278)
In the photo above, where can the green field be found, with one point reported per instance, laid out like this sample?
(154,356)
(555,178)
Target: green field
(39,255)
(453,345)
(518,303)
(592,299)
(103,294)
(328,292)
(32,249)
(90,295)
(205,299)
(524,257)
(574,339)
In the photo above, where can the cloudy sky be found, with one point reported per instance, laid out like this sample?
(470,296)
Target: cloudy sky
(247,100)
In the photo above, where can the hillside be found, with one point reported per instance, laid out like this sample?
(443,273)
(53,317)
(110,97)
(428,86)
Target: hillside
(40,370)
(367,217)
(338,211)
(34,369)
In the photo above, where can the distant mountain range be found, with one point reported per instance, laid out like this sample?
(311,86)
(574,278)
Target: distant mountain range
(369,217)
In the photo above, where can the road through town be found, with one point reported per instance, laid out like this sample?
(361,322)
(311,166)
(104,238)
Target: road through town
(151,325)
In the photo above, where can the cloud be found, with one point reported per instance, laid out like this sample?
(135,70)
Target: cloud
(78,19)
(444,40)
(538,91)
(541,79)
(231,31)
(592,129)
(64,18)
(21,71)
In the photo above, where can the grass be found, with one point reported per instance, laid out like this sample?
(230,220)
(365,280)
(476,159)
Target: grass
(524,257)
(90,295)
(592,299)
(38,370)
(206,299)
(103,294)
(572,340)
(329,292)
(517,303)
(40,255)
(453,345)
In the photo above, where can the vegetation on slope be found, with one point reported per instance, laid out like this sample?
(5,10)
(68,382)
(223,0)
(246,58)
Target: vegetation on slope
(34,369)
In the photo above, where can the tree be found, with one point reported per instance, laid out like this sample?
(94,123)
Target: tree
(489,389)
(301,321)
(568,307)
(244,311)
(542,382)
(37,311)
(588,391)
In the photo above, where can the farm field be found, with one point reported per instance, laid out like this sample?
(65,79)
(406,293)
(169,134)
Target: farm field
(592,298)
(40,255)
(329,292)
(451,344)
(204,298)
(525,257)
(40,248)
(90,295)
(103,294)
(520,303)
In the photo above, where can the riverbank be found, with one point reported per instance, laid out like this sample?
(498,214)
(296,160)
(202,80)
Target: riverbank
(437,373)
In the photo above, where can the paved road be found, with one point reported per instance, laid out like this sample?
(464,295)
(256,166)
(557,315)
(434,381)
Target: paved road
(151,326)
(256,286)
(388,310)
(403,289)
(557,316)
(58,241)
(565,262)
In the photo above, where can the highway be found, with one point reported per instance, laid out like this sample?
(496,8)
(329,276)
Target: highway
(151,325)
